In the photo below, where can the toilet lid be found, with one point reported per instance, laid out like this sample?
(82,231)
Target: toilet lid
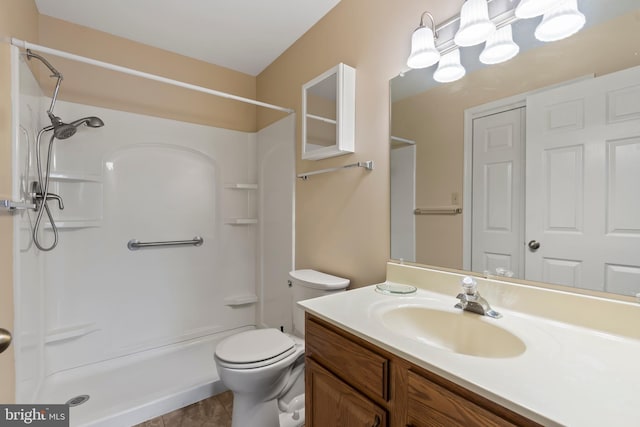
(254,346)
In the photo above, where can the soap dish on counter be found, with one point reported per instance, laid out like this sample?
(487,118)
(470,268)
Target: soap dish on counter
(390,288)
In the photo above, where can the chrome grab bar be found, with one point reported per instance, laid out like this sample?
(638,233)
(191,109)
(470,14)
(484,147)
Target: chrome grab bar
(134,244)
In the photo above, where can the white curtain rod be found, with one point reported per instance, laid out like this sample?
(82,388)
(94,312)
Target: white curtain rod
(43,49)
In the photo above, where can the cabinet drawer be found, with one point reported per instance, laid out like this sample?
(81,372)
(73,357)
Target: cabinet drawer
(432,405)
(360,367)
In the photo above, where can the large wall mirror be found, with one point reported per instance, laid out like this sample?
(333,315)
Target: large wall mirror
(462,197)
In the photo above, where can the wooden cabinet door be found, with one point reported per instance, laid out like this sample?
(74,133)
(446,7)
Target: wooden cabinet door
(334,403)
(360,367)
(430,405)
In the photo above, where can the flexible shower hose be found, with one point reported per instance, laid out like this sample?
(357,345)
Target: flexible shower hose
(44,188)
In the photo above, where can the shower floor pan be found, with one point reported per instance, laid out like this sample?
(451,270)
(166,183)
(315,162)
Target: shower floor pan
(131,389)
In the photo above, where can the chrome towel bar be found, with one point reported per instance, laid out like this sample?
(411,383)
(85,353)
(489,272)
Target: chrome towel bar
(134,244)
(438,211)
(368,165)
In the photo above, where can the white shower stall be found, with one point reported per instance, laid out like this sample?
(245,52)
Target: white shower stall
(135,330)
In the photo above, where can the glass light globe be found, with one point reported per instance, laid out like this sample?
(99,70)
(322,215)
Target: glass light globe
(423,50)
(475,25)
(449,68)
(560,22)
(500,47)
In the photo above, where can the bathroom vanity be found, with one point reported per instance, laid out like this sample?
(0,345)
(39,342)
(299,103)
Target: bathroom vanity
(554,358)
(353,382)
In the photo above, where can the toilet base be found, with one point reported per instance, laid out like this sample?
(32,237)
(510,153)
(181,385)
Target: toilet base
(292,419)
(250,412)
(266,414)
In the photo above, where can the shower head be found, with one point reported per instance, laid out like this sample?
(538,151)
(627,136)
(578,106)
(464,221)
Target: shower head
(92,122)
(63,130)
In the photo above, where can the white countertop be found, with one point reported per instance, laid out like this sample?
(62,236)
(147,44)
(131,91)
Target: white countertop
(568,375)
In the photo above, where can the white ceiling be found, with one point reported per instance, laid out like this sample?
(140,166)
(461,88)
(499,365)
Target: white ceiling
(244,35)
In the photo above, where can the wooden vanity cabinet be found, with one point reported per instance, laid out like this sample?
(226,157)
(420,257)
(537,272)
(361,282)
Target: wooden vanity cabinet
(351,382)
(432,405)
(346,383)
(335,403)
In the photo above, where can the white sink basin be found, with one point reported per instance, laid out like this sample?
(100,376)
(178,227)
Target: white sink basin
(456,331)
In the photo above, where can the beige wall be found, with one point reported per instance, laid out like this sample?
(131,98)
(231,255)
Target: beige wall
(95,86)
(342,218)
(18,18)
(435,118)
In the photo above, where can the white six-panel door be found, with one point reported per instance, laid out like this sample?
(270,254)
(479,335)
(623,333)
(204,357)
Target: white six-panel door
(583,184)
(497,221)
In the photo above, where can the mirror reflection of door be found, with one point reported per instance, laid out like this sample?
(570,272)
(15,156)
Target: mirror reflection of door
(498,196)
(582,196)
(583,170)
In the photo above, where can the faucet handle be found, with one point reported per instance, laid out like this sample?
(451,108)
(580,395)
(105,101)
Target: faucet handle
(469,285)
(503,272)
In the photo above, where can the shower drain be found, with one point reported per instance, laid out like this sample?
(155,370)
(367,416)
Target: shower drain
(78,400)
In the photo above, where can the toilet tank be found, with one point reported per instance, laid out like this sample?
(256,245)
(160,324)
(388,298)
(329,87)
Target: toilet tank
(308,284)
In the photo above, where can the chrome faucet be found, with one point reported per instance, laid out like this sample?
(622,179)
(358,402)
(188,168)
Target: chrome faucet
(38,196)
(470,299)
(50,196)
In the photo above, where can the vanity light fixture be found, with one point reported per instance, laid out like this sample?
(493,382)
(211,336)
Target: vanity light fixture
(475,25)
(562,21)
(423,50)
(449,69)
(500,47)
(472,26)
(531,8)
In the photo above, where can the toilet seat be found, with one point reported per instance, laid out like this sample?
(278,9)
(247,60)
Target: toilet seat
(254,349)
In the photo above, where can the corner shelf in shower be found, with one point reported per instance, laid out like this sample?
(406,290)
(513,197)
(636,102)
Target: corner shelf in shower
(69,332)
(241,186)
(241,221)
(73,224)
(75,177)
(239,300)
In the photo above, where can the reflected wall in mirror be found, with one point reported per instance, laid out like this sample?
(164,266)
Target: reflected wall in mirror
(328,111)
(428,131)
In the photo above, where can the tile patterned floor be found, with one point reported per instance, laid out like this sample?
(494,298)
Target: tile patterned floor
(212,412)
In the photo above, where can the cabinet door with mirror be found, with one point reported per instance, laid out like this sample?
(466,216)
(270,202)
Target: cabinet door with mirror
(497,190)
(328,114)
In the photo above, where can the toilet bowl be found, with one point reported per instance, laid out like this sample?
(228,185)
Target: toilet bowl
(257,365)
(264,368)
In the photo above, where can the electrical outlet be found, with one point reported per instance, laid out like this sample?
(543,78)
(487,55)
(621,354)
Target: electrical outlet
(455,198)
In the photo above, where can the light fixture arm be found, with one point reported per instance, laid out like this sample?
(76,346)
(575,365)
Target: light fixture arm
(433,24)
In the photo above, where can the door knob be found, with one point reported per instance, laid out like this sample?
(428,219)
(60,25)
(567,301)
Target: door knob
(534,245)
(5,339)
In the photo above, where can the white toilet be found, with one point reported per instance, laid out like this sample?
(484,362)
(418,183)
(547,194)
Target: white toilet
(264,368)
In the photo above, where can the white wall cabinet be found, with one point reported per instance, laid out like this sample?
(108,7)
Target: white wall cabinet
(328,114)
